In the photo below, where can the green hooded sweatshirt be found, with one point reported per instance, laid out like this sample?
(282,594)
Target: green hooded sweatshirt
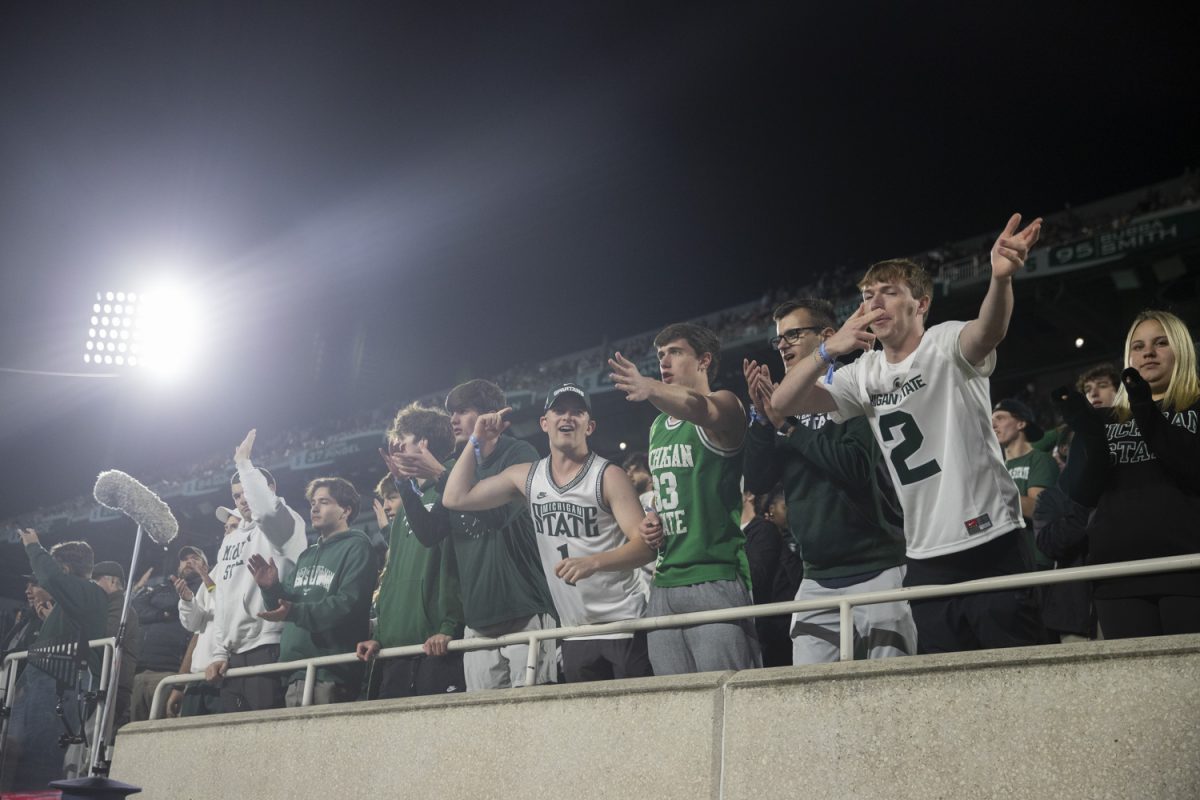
(330,592)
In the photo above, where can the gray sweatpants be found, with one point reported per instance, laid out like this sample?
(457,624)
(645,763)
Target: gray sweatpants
(702,648)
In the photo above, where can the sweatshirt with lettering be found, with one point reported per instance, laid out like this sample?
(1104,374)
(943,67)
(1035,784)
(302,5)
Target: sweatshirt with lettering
(1142,475)
(330,592)
(274,532)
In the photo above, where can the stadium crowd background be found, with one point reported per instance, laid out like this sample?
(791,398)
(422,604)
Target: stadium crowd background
(1151,232)
(739,327)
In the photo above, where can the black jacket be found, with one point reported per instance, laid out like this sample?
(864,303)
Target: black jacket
(164,640)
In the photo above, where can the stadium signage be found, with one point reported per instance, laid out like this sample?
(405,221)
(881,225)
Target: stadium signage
(1142,234)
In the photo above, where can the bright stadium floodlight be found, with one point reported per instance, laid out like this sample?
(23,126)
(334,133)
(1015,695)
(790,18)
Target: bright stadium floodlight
(155,332)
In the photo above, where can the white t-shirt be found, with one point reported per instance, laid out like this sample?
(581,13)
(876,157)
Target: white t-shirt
(931,414)
(572,521)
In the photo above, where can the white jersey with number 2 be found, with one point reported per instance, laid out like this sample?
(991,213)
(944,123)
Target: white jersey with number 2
(932,417)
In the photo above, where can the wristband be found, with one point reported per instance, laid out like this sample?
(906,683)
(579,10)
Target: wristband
(828,360)
(478,452)
(756,417)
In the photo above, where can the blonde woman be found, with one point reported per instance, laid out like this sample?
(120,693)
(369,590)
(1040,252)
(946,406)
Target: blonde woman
(1139,467)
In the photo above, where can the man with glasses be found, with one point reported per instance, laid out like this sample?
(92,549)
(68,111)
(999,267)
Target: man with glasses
(842,511)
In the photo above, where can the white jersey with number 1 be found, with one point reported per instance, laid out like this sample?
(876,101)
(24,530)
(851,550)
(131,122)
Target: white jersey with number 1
(572,521)
(931,414)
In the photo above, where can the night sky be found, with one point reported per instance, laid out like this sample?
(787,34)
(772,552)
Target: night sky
(477,185)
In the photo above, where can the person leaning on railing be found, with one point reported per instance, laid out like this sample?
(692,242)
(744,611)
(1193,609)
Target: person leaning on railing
(1139,467)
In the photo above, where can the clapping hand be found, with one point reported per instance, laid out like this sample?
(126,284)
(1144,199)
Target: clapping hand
(265,573)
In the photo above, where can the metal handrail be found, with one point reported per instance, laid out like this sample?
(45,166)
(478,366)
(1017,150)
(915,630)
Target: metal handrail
(9,682)
(845,605)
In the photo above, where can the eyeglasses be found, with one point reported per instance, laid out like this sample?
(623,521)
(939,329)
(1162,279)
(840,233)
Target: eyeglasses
(792,336)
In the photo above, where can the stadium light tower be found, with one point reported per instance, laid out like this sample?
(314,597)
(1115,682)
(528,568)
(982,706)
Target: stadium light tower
(155,331)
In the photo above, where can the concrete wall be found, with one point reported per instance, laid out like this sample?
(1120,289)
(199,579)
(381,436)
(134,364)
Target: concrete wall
(1103,719)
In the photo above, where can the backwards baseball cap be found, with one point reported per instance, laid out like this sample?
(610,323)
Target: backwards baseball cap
(223,514)
(108,568)
(191,549)
(1033,431)
(568,388)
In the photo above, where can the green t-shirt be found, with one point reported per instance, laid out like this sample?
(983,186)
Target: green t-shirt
(1035,469)
(420,593)
(700,503)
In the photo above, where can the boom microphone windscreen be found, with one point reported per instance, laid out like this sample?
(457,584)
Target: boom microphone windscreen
(121,492)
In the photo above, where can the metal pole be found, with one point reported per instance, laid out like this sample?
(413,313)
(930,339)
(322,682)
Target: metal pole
(156,702)
(100,762)
(310,682)
(105,680)
(10,686)
(846,616)
(531,661)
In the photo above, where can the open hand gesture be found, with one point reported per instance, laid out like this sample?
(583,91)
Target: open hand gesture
(278,614)
(265,573)
(242,453)
(626,378)
(760,388)
(1012,248)
(416,464)
(380,515)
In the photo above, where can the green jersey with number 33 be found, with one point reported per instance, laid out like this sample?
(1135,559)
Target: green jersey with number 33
(931,414)
(699,502)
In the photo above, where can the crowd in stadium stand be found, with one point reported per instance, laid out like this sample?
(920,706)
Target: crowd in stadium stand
(879,461)
(835,284)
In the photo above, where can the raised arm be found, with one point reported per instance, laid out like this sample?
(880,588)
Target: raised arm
(980,336)
(464,492)
(273,516)
(720,413)
(622,498)
(798,392)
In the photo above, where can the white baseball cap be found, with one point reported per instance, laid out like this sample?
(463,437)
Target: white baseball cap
(223,514)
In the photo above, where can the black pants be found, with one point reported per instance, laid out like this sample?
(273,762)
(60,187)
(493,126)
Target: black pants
(255,692)
(200,699)
(1150,615)
(606,659)
(981,621)
(420,675)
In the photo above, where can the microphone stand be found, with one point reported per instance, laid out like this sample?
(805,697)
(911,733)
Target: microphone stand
(98,785)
